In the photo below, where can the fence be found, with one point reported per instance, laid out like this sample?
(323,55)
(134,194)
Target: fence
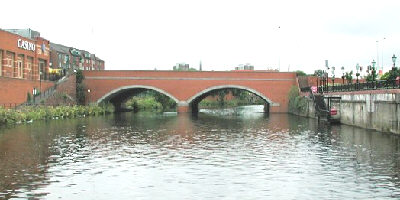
(373,85)
(8,105)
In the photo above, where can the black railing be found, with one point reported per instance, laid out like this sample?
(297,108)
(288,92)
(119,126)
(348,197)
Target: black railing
(8,105)
(372,85)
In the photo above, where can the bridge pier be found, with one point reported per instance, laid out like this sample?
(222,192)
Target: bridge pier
(183,107)
(266,107)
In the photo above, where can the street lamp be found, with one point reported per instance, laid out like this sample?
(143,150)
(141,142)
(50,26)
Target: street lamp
(40,82)
(333,78)
(394,61)
(88,96)
(342,74)
(357,73)
(373,70)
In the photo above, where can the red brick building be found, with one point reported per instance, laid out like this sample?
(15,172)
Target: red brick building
(69,58)
(24,55)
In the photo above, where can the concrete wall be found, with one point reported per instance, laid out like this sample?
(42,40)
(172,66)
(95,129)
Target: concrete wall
(378,110)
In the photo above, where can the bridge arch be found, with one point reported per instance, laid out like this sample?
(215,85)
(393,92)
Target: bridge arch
(195,99)
(119,94)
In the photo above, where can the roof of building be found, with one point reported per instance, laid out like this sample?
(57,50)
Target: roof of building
(59,48)
(28,33)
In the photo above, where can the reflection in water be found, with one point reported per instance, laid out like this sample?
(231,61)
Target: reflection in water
(231,154)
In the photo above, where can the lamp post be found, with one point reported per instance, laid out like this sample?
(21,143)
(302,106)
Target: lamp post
(342,74)
(357,74)
(394,69)
(88,96)
(333,78)
(40,82)
(373,70)
(394,61)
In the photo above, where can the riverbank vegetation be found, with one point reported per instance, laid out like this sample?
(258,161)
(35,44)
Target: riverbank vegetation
(34,113)
(228,98)
(297,103)
(151,100)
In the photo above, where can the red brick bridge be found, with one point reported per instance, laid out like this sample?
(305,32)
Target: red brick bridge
(187,88)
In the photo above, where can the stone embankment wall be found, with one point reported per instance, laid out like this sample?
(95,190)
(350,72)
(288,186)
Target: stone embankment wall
(378,110)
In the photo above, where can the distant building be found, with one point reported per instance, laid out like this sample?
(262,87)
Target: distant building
(246,66)
(24,54)
(181,67)
(66,59)
(69,58)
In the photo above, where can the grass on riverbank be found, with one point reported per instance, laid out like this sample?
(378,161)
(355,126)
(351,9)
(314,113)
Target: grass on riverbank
(30,113)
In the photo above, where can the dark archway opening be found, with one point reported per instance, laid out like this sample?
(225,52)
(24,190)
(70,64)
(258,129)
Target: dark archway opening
(226,98)
(140,99)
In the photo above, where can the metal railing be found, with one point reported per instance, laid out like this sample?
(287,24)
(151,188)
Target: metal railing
(8,105)
(372,85)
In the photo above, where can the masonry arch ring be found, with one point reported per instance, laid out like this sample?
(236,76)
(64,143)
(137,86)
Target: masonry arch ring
(117,91)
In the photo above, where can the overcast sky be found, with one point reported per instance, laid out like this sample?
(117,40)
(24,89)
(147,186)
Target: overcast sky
(148,34)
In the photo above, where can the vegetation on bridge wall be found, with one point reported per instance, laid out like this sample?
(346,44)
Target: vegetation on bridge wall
(80,88)
(297,104)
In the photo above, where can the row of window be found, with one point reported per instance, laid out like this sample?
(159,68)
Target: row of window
(20,67)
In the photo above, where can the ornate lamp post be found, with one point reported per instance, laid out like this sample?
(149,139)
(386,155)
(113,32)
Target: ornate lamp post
(357,73)
(40,83)
(373,70)
(394,61)
(342,74)
(333,78)
(394,69)
(88,96)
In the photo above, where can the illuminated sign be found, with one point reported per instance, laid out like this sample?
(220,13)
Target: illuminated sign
(23,44)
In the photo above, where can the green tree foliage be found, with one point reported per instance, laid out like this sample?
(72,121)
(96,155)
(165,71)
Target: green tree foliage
(28,97)
(349,76)
(393,74)
(80,88)
(300,73)
(151,100)
(297,103)
(318,72)
(385,76)
(372,76)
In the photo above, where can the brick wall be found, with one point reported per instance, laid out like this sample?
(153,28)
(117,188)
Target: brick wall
(13,90)
(65,93)
(185,85)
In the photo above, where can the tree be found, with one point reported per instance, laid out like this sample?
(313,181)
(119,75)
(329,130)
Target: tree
(300,73)
(385,76)
(393,74)
(372,76)
(349,76)
(80,88)
(318,72)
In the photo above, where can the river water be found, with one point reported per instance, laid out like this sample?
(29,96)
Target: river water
(225,154)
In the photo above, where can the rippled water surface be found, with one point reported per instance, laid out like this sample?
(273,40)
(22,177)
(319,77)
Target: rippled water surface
(228,154)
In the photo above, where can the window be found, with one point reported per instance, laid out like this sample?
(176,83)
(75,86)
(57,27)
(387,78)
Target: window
(11,64)
(42,69)
(20,66)
(29,63)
